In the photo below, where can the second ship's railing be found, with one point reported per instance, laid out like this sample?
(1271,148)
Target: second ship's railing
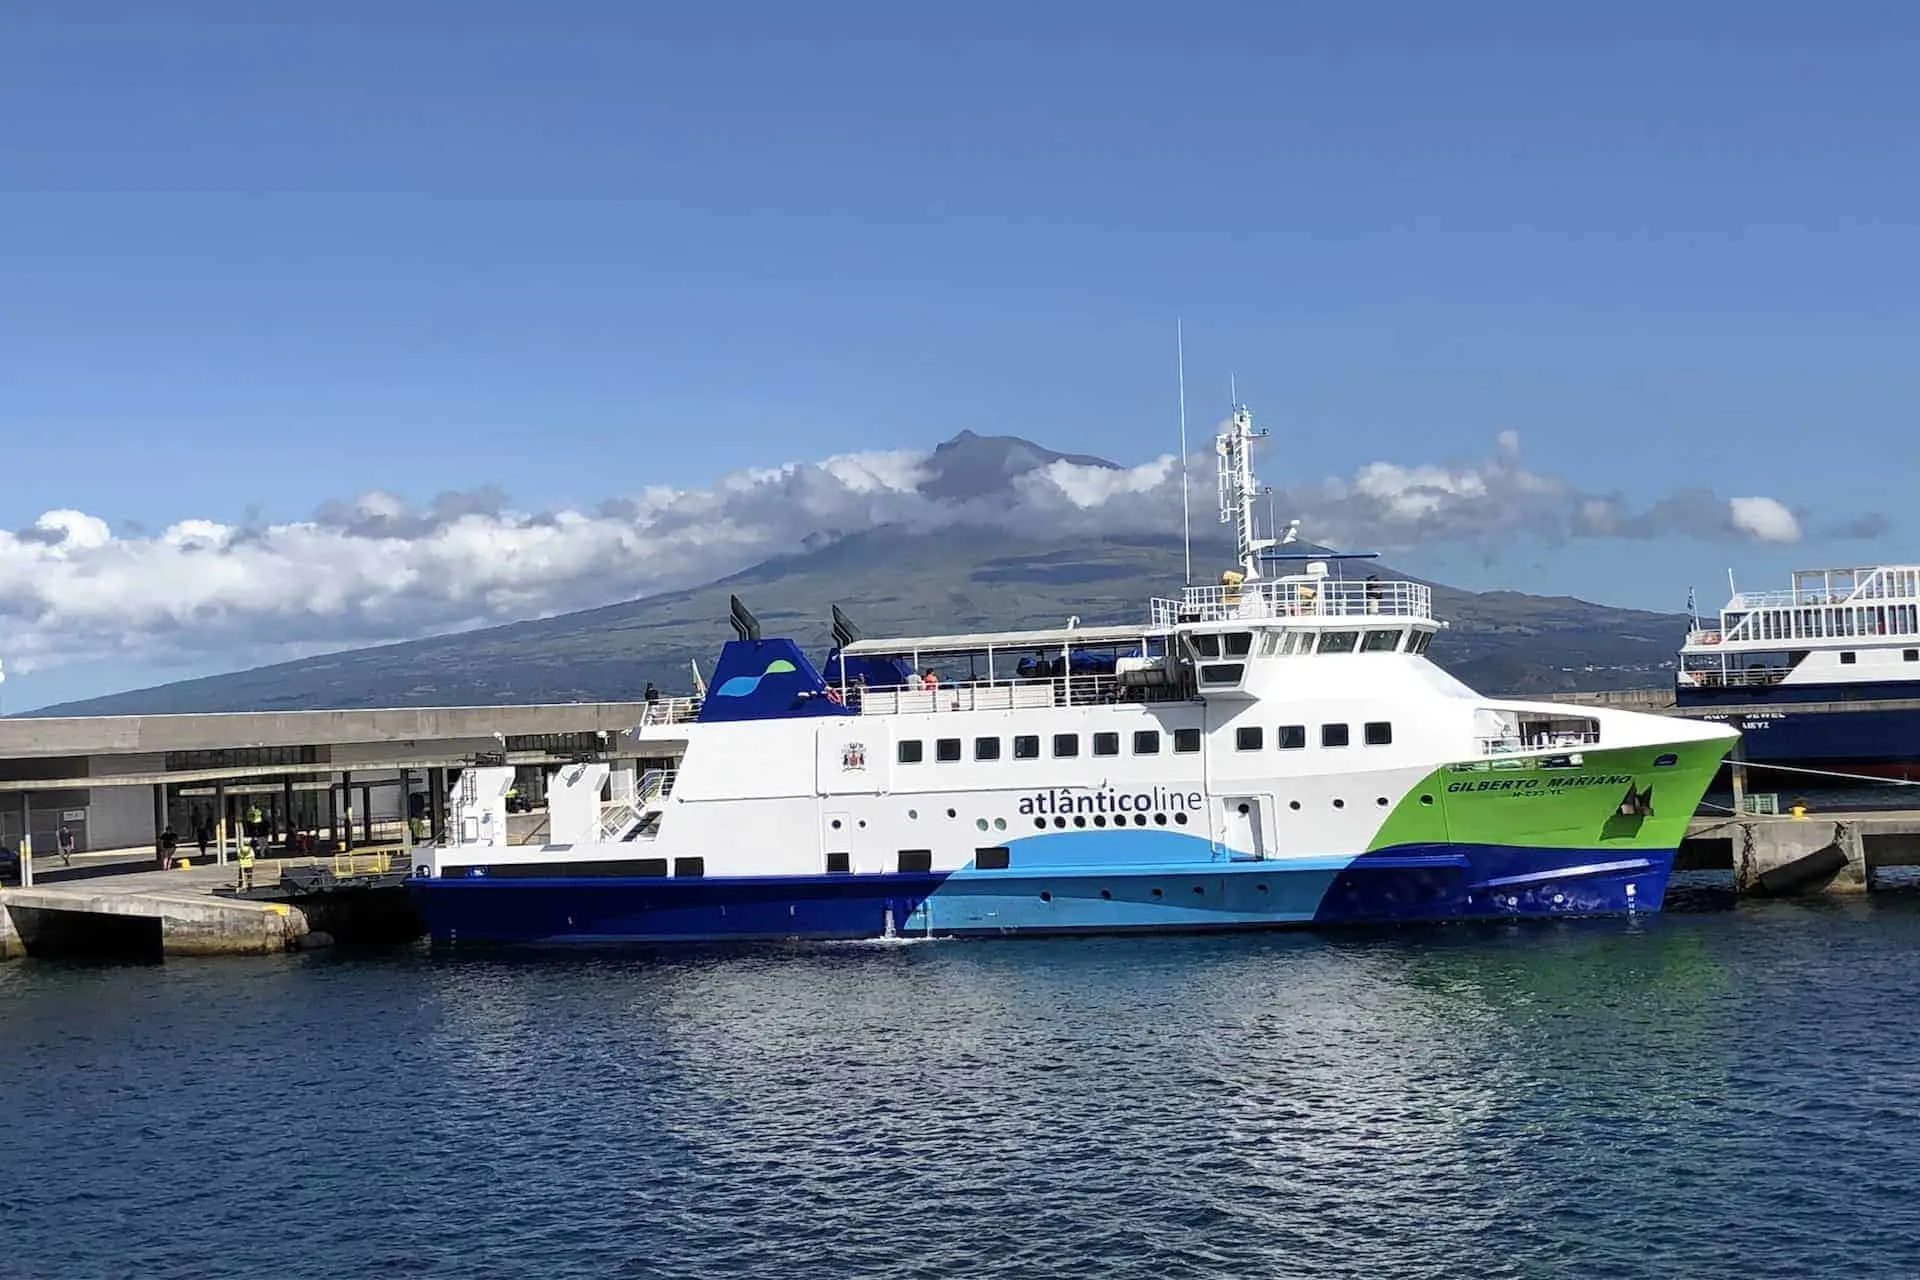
(1318,598)
(671,711)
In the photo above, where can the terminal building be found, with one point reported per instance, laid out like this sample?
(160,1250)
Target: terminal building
(315,779)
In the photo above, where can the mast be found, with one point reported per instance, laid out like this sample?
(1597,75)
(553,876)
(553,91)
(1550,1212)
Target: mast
(1239,489)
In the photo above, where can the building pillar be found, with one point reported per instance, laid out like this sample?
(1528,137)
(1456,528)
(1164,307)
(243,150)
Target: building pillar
(159,813)
(346,810)
(366,814)
(286,810)
(26,840)
(1737,770)
(220,823)
(406,811)
(437,803)
(333,813)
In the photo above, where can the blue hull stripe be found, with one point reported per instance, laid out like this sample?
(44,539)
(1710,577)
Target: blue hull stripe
(1410,883)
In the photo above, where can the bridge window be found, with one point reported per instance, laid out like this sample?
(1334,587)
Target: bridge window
(1146,742)
(1106,744)
(1334,735)
(1206,644)
(1237,644)
(1848,659)
(1249,738)
(912,751)
(1186,741)
(1222,672)
(986,748)
(946,750)
(1066,744)
(1290,737)
(1910,655)
(1379,733)
(1419,641)
(1338,641)
(1026,746)
(1381,642)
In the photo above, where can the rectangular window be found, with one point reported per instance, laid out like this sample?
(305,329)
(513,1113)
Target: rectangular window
(1379,733)
(1026,746)
(916,861)
(911,751)
(946,750)
(1910,655)
(1206,644)
(1380,642)
(689,866)
(994,859)
(1237,644)
(1066,744)
(1419,641)
(1146,742)
(1338,641)
(1186,741)
(1222,672)
(1848,659)
(986,748)
(1291,737)
(1333,735)
(1248,738)
(1106,744)
(839,864)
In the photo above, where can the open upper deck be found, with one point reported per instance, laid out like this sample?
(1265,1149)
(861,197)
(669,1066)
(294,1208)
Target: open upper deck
(1296,597)
(1825,607)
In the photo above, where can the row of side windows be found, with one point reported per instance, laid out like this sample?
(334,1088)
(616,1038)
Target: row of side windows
(1065,746)
(1146,742)
(1293,737)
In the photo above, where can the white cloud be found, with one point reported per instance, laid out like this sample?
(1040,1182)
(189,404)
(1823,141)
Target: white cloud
(375,568)
(1764,519)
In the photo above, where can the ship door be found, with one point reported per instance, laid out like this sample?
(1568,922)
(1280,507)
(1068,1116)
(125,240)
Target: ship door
(836,840)
(1242,827)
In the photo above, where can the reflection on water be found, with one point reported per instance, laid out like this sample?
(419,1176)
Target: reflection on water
(1714,1094)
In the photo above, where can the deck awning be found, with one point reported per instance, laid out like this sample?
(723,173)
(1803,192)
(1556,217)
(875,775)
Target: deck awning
(980,641)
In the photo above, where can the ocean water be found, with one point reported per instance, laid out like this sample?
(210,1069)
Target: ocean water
(1717,1093)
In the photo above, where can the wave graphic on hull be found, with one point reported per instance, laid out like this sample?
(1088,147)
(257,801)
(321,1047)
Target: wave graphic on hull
(741,686)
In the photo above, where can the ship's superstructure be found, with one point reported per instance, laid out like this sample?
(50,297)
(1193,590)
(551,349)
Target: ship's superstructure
(1820,676)
(1275,749)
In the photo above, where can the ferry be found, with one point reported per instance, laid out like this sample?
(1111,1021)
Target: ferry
(1276,749)
(1822,677)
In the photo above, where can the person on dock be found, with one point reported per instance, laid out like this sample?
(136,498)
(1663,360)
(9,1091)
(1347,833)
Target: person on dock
(248,850)
(203,834)
(652,694)
(66,845)
(169,843)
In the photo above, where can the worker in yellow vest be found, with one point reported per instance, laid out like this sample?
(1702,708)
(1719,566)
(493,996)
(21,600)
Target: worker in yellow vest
(245,881)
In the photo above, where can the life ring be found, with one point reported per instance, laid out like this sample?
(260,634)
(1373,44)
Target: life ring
(833,695)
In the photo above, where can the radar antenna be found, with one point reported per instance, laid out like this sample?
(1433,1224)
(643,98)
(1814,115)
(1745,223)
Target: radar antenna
(1239,489)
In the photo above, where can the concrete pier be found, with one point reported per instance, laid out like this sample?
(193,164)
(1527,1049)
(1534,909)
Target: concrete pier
(163,913)
(1818,853)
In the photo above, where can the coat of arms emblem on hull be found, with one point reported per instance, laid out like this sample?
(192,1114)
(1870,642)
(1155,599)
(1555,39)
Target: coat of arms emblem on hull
(853,756)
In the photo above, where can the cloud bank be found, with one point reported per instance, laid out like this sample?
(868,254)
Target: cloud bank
(375,568)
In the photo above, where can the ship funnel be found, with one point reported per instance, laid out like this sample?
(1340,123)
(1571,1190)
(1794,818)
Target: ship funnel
(745,625)
(844,630)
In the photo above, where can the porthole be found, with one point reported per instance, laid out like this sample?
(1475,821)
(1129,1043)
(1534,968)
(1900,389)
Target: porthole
(1381,801)
(1099,819)
(1059,822)
(862,824)
(1107,894)
(999,824)
(1079,820)
(1244,810)
(1198,889)
(1293,804)
(1158,894)
(1045,896)
(913,813)
(1339,804)
(1139,819)
(1180,819)
(1259,888)
(1041,823)
(981,823)
(836,824)
(1160,819)
(1426,799)
(953,813)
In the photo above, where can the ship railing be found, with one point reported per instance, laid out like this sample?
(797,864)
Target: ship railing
(667,711)
(654,786)
(1320,598)
(1704,637)
(1508,744)
(1758,678)
(1009,695)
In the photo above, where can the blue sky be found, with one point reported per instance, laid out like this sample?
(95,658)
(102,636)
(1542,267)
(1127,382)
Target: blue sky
(250,264)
